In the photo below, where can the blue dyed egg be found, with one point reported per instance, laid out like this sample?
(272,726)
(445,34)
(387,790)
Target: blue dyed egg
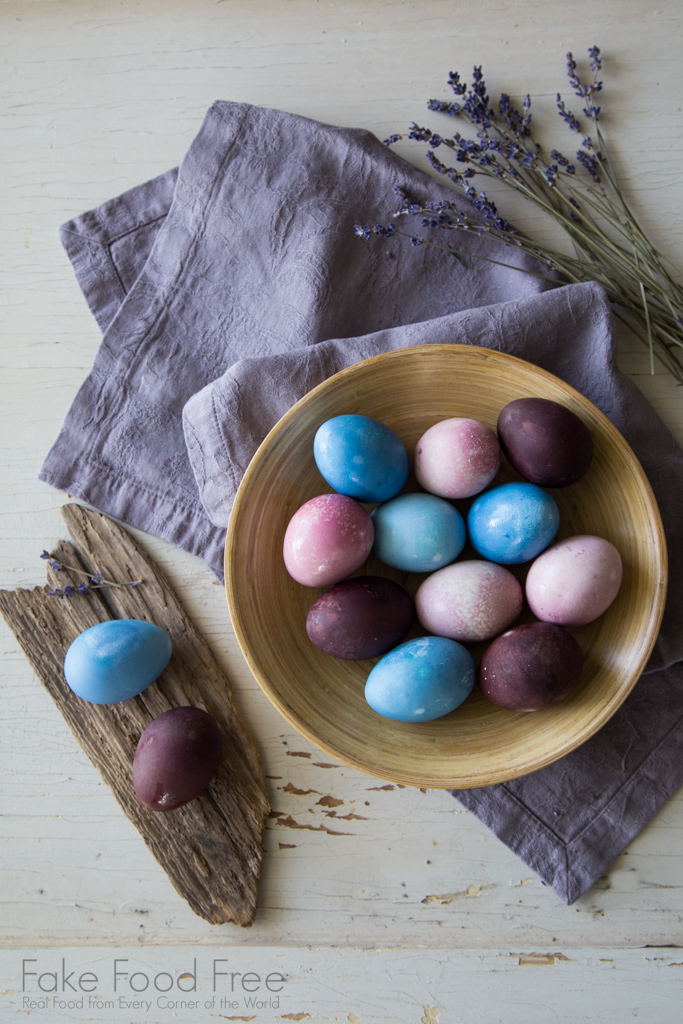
(361,457)
(418,532)
(113,661)
(513,523)
(421,680)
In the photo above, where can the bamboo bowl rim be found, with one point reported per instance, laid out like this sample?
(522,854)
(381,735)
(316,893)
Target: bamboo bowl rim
(322,697)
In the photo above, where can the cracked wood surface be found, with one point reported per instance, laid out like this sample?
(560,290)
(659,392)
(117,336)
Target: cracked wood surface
(212,847)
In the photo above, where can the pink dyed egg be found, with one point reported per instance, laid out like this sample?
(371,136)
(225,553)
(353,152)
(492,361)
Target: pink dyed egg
(574,581)
(457,458)
(469,601)
(327,539)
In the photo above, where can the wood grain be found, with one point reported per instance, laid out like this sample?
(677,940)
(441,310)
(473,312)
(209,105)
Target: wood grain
(212,848)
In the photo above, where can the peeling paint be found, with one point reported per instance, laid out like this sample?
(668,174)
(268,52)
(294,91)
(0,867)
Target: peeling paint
(540,959)
(471,890)
(289,822)
(240,1018)
(346,817)
(330,801)
(353,1018)
(296,1016)
(287,846)
(323,764)
(388,786)
(431,1015)
(297,753)
(289,788)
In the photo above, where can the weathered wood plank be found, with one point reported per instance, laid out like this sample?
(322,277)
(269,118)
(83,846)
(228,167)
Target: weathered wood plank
(212,848)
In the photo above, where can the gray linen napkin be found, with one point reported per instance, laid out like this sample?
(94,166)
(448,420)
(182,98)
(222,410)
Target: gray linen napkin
(227,289)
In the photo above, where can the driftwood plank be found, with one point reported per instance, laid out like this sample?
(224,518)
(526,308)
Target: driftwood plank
(212,848)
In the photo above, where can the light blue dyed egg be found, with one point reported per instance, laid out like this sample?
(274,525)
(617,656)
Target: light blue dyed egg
(421,680)
(113,661)
(361,457)
(418,532)
(513,523)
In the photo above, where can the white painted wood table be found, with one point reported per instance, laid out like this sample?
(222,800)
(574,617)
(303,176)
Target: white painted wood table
(416,912)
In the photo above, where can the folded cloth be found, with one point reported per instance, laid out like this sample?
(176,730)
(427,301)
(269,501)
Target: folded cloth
(227,289)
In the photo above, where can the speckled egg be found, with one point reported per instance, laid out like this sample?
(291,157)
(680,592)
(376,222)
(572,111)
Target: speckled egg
(457,458)
(176,757)
(545,442)
(421,680)
(531,667)
(512,523)
(116,660)
(363,617)
(361,457)
(574,581)
(326,540)
(418,532)
(469,601)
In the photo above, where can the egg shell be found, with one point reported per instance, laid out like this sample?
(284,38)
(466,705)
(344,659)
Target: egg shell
(113,661)
(531,667)
(469,601)
(512,523)
(361,457)
(457,458)
(176,757)
(574,581)
(418,532)
(363,617)
(421,680)
(326,540)
(545,442)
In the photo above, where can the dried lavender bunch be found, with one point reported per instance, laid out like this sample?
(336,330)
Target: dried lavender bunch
(95,581)
(610,246)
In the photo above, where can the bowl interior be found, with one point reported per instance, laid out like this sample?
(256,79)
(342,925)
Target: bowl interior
(323,697)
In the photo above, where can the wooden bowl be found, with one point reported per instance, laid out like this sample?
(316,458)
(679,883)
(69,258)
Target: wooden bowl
(478,744)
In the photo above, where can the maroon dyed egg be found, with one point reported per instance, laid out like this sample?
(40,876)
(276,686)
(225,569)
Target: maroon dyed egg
(176,757)
(363,617)
(531,667)
(545,442)
(327,539)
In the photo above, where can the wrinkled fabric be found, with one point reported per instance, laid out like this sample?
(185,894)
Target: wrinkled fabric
(230,287)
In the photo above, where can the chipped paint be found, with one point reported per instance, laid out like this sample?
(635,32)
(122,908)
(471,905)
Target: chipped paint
(470,891)
(330,801)
(323,764)
(240,1018)
(540,959)
(346,817)
(289,822)
(297,753)
(388,786)
(296,1016)
(431,1015)
(287,846)
(289,788)
(353,1018)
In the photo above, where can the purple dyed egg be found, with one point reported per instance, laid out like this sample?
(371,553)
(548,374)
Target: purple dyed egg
(457,458)
(574,581)
(176,757)
(327,539)
(531,667)
(545,442)
(469,601)
(363,617)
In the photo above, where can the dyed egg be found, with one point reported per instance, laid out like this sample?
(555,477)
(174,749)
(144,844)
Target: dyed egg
(457,458)
(116,660)
(469,601)
(574,581)
(421,680)
(418,532)
(513,523)
(545,442)
(531,667)
(326,540)
(360,618)
(361,457)
(176,757)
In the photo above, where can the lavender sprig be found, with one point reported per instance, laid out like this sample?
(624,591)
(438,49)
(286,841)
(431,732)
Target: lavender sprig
(96,581)
(583,197)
